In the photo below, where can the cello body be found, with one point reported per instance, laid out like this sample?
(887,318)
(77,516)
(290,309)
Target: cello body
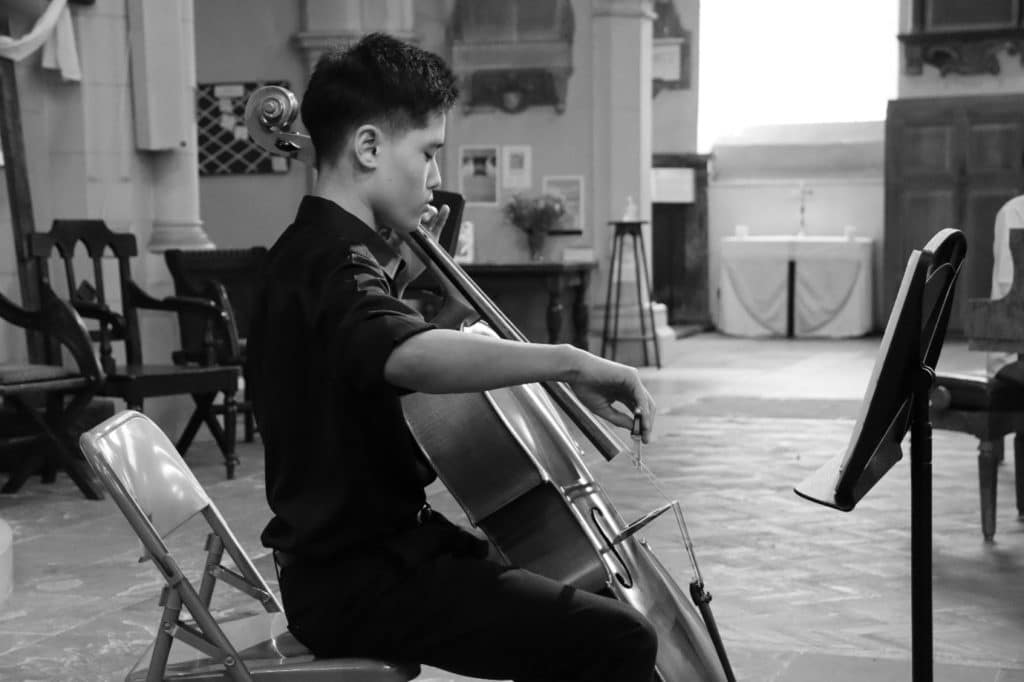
(522,480)
(524,484)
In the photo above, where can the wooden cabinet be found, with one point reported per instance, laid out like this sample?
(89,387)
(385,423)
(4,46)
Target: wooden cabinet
(950,162)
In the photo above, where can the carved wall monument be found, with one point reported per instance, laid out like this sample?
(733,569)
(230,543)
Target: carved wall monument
(512,54)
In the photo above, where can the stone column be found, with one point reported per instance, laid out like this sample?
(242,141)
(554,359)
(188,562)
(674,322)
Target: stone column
(622,42)
(176,221)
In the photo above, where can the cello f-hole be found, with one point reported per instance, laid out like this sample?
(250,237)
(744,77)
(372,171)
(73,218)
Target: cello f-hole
(626,582)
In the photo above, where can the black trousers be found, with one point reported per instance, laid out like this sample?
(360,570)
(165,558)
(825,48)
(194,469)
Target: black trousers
(443,605)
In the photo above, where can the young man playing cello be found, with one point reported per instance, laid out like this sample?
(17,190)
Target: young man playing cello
(366,568)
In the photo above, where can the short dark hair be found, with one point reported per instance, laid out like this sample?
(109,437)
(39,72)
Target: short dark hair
(379,79)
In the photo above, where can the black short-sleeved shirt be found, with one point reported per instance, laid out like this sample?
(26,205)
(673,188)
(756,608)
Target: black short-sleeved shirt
(343,472)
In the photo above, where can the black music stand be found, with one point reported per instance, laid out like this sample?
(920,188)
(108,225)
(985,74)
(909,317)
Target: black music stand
(896,401)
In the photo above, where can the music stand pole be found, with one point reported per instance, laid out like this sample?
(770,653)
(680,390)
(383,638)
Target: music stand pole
(921,528)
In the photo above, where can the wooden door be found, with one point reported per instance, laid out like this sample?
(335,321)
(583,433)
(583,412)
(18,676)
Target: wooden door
(994,142)
(950,162)
(921,186)
(679,247)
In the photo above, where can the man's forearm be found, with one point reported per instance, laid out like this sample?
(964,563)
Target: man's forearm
(446,361)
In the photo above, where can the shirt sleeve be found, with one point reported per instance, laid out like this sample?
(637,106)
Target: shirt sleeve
(364,323)
(1009,217)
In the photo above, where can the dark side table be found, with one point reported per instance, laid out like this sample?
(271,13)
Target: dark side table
(560,280)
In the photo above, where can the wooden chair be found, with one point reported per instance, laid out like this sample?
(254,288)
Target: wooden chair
(229,277)
(134,381)
(63,393)
(990,408)
(157,493)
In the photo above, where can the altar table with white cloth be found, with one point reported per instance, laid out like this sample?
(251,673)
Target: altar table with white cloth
(791,285)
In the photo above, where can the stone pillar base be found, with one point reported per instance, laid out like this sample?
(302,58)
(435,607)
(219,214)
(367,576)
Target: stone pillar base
(631,352)
(185,235)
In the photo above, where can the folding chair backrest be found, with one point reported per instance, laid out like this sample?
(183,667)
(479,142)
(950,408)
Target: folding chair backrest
(134,458)
(157,493)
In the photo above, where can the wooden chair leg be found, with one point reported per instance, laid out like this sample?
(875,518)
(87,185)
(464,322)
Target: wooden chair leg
(988,470)
(250,426)
(230,434)
(224,435)
(1018,471)
(203,402)
(30,463)
(247,415)
(63,453)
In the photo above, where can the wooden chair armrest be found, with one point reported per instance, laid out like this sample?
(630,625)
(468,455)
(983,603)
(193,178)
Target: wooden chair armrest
(18,316)
(57,319)
(173,304)
(98,311)
(60,320)
(216,309)
(219,295)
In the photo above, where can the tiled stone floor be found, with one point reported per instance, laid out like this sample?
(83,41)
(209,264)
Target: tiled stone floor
(801,592)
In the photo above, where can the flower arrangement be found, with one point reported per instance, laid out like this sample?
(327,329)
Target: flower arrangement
(536,216)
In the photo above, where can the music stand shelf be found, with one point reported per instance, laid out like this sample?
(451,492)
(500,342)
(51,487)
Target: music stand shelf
(897,401)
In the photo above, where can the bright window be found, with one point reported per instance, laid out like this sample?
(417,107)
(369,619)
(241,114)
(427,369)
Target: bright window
(794,61)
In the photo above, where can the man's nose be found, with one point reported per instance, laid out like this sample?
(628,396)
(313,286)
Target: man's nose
(433,176)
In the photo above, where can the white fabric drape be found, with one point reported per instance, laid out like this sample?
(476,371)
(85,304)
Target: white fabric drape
(54,32)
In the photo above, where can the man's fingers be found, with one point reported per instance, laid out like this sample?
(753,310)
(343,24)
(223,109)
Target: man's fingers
(434,219)
(616,417)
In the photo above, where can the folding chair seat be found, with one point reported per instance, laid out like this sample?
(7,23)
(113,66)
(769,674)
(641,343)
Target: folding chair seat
(157,493)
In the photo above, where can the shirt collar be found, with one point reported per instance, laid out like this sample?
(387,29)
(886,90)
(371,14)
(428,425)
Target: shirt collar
(324,212)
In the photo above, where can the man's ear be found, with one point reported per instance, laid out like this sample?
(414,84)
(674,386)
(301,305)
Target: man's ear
(367,141)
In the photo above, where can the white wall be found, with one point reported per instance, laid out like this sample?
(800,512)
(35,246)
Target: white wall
(237,41)
(674,112)
(562,145)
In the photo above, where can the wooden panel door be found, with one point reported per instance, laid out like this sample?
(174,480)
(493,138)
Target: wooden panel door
(950,162)
(993,144)
(679,247)
(922,178)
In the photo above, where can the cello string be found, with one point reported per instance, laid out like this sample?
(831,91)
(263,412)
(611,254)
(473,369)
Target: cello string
(677,509)
(680,520)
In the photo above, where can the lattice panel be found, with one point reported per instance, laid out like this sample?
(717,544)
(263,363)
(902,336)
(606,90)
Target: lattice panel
(224,144)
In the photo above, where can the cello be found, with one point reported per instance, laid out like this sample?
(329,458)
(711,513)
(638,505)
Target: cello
(526,487)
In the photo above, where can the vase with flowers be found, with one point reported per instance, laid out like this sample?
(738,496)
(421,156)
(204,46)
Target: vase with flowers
(536,216)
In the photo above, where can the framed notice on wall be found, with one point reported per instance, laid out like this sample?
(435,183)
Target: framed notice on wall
(224,144)
(570,189)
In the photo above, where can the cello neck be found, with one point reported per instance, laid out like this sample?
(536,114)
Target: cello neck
(461,290)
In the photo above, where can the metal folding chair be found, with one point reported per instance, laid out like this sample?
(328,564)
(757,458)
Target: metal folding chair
(157,492)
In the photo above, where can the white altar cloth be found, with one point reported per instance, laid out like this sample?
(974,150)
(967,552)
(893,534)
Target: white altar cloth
(828,295)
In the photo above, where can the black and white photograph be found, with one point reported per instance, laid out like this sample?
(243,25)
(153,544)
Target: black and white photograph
(512,340)
(478,174)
